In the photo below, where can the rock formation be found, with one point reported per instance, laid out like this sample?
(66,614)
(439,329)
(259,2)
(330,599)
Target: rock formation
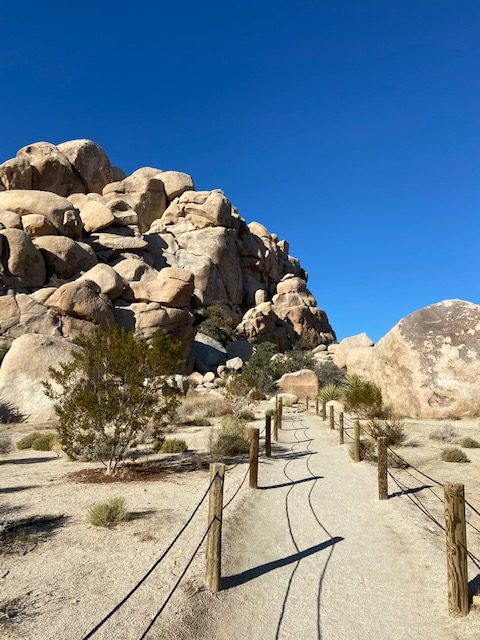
(82,244)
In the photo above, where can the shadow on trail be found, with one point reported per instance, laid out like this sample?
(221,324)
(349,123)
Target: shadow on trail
(289,484)
(397,494)
(250,574)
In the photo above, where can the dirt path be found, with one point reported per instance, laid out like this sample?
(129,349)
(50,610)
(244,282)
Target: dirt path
(314,555)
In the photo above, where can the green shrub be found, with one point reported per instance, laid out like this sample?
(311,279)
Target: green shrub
(44,442)
(229,440)
(469,443)
(393,431)
(247,415)
(6,444)
(217,325)
(328,373)
(362,397)
(367,450)
(330,392)
(108,513)
(447,433)
(198,422)
(27,441)
(454,454)
(174,445)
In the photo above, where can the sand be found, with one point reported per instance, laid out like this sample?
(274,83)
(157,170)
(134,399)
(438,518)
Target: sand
(311,554)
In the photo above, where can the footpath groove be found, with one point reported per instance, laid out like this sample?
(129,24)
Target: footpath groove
(313,555)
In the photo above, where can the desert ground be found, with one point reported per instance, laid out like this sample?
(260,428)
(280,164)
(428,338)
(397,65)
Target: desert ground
(311,554)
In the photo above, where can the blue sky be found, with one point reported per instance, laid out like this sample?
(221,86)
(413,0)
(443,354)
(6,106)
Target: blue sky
(349,128)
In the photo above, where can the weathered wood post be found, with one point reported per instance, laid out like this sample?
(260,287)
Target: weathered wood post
(280,412)
(382,468)
(456,534)
(306,403)
(332,417)
(324,410)
(268,434)
(254,438)
(213,574)
(341,427)
(275,425)
(316,405)
(356,441)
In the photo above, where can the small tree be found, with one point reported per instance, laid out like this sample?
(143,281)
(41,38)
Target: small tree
(113,395)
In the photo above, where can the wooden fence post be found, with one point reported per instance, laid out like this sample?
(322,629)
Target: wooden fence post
(324,410)
(268,434)
(332,417)
(280,412)
(456,534)
(213,574)
(382,468)
(356,441)
(341,427)
(316,405)
(275,426)
(306,403)
(254,438)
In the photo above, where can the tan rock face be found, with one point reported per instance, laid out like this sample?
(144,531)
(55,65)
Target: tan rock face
(52,170)
(176,183)
(144,192)
(82,299)
(428,365)
(172,287)
(25,367)
(10,220)
(301,383)
(133,269)
(342,350)
(36,225)
(50,205)
(22,263)
(91,162)
(108,280)
(16,173)
(63,256)
(20,314)
(95,215)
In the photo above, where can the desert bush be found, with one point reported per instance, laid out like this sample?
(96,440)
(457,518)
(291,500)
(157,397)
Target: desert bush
(45,442)
(108,513)
(27,441)
(217,325)
(454,454)
(393,431)
(229,440)
(328,373)
(6,444)
(9,413)
(196,406)
(469,443)
(104,406)
(174,445)
(247,415)
(362,397)
(329,392)
(447,433)
(367,450)
(198,422)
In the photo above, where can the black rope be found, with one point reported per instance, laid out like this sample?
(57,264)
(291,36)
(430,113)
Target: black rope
(238,488)
(152,568)
(166,601)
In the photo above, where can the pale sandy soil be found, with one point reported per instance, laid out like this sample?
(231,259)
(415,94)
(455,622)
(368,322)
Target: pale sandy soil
(312,554)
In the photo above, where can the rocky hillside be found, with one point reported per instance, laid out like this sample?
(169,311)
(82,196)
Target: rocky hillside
(81,244)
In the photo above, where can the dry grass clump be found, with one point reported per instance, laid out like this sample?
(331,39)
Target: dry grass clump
(447,433)
(6,444)
(367,450)
(230,440)
(108,513)
(174,445)
(196,407)
(393,430)
(26,441)
(45,442)
(454,454)
(469,443)
(247,415)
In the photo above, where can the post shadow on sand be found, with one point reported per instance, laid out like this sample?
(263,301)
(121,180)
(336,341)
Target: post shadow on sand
(28,460)
(290,484)
(228,582)
(17,489)
(473,587)
(397,494)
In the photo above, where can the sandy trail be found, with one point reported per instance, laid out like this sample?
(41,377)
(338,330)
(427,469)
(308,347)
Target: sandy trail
(314,555)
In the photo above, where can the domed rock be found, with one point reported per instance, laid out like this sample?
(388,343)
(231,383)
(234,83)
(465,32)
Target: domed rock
(91,163)
(82,299)
(107,279)
(63,256)
(50,205)
(428,365)
(23,264)
(36,225)
(24,369)
(16,173)
(176,183)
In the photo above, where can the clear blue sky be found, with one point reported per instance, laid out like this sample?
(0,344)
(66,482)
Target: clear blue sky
(350,128)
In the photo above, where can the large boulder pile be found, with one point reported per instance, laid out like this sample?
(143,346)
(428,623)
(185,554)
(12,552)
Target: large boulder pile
(82,244)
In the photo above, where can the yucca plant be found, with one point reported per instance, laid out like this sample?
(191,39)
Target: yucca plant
(329,392)
(362,396)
